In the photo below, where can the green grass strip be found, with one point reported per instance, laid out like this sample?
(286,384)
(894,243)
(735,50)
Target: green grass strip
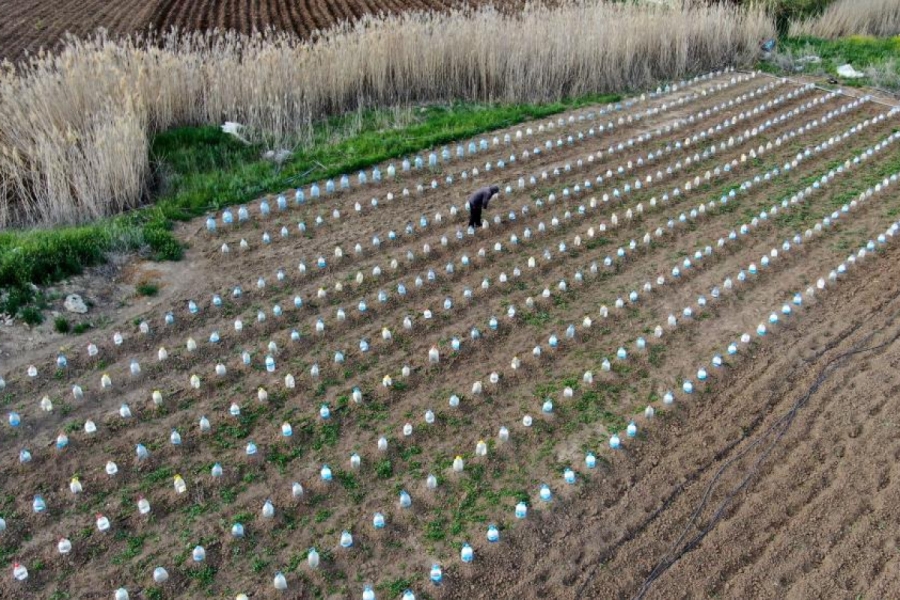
(860,51)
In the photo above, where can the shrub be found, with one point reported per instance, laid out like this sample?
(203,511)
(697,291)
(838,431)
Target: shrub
(61,325)
(80,328)
(31,315)
(147,288)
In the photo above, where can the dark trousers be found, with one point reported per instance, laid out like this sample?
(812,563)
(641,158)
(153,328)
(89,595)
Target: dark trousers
(474,216)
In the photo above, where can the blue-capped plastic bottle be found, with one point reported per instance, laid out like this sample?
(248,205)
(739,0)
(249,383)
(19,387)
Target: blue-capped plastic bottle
(312,558)
(436,574)
(521,510)
(142,452)
(545,494)
(198,554)
(467,554)
(346,539)
(493,534)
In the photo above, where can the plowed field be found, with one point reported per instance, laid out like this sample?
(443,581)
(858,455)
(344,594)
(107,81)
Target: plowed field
(30,26)
(681,318)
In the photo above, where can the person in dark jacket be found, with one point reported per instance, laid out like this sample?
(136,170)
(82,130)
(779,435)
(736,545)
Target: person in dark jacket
(478,201)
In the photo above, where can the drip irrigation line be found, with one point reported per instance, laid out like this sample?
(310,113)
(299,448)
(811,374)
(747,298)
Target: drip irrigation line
(779,429)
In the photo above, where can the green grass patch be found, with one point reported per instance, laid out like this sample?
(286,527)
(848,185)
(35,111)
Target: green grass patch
(395,587)
(436,529)
(322,515)
(656,354)
(154,593)
(147,288)
(384,469)
(156,478)
(282,455)
(133,547)
(258,565)
(80,328)
(881,55)
(537,319)
(204,576)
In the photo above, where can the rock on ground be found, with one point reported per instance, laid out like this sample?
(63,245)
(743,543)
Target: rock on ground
(75,304)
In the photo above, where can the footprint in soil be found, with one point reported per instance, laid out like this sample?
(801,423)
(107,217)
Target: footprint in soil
(884,480)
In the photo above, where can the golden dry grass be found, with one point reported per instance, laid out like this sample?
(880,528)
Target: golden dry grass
(853,17)
(75,127)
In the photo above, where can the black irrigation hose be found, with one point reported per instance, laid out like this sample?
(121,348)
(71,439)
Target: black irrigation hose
(781,426)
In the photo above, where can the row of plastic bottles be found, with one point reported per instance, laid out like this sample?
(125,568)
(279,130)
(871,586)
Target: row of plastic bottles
(135,368)
(62,441)
(160,575)
(446,155)
(590,158)
(509,189)
(786,309)
(579,161)
(143,326)
(463,261)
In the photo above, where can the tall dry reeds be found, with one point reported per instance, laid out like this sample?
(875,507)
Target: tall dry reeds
(853,17)
(75,127)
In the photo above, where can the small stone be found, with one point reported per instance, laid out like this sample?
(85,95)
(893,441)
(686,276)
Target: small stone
(75,304)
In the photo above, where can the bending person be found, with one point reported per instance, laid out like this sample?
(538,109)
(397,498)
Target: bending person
(478,201)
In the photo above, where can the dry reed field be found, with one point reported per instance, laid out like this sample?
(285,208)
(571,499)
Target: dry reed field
(853,17)
(75,126)
(335,397)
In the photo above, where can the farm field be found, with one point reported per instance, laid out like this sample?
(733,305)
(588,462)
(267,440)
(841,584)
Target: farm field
(30,26)
(673,321)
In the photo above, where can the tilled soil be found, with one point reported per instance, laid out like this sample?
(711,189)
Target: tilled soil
(780,521)
(779,482)
(27,27)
